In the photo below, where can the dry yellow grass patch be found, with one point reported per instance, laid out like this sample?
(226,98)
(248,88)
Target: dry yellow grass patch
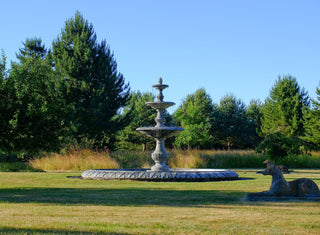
(75,160)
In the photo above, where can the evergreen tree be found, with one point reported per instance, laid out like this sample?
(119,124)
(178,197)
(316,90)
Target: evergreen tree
(283,110)
(32,48)
(94,87)
(312,121)
(195,115)
(254,115)
(3,70)
(3,102)
(231,126)
(34,110)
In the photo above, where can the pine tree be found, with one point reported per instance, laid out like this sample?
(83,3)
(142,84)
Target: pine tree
(32,48)
(283,109)
(312,121)
(3,70)
(231,124)
(254,115)
(95,89)
(4,97)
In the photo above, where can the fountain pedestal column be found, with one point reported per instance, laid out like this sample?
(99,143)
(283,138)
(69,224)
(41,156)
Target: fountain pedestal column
(160,156)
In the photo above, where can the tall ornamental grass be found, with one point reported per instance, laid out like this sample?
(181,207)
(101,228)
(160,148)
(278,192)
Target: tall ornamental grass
(80,160)
(75,160)
(216,159)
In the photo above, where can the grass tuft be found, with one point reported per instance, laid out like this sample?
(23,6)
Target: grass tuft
(187,159)
(133,159)
(215,159)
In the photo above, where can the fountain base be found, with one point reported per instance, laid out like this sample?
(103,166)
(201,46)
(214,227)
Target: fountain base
(184,175)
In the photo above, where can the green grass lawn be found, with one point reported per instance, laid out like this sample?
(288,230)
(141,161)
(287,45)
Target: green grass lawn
(53,203)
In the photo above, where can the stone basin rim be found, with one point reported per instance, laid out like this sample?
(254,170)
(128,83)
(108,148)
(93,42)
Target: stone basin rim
(170,170)
(175,174)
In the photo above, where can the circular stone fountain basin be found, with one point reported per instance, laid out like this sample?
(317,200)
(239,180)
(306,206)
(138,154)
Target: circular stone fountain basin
(185,175)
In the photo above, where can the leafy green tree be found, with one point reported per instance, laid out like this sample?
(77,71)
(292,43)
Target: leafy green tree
(312,121)
(231,124)
(94,87)
(283,110)
(140,115)
(195,115)
(34,108)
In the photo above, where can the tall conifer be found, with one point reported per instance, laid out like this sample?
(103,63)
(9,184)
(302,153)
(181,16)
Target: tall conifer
(312,121)
(283,109)
(95,88)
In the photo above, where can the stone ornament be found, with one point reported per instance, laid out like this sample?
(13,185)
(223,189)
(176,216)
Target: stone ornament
(281,189)
(160,132)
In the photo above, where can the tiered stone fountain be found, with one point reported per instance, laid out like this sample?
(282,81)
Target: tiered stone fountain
(160,171)
(160,132)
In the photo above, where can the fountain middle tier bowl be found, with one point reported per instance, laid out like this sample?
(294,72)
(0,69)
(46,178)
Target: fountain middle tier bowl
(160,104)
(160,132)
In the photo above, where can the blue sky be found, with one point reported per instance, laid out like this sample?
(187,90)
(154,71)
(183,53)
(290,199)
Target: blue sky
(226,47)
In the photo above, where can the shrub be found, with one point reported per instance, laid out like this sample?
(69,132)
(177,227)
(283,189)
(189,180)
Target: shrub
(276,146)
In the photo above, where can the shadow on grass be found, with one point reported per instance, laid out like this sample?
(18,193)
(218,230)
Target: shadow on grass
(8,230)
(120,197)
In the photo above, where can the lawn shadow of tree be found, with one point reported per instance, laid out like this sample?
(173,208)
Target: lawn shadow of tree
(120,197)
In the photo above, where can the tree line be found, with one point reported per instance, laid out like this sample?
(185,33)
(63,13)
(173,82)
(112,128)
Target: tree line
(73,95)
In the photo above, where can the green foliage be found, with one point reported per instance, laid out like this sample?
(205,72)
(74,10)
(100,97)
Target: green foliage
(32,114)
(3,71)
(140,115)
(276,146)
(95,89)
(3,101)
(283,110)
(231,124)
(254,115)
(33,48)
(312,121)
(195,115)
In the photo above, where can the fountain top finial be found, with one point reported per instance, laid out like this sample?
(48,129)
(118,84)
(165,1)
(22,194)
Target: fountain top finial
(160,80)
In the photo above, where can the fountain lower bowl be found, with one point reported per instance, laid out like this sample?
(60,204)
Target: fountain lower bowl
(184,175)
(160,132)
